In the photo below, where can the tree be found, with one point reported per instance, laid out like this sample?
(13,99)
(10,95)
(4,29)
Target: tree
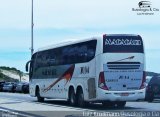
(20,75)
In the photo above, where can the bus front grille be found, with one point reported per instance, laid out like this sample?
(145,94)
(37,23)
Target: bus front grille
(123,65)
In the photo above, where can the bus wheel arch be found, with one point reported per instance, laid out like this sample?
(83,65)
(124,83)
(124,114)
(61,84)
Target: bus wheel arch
(37,94)
(72,96)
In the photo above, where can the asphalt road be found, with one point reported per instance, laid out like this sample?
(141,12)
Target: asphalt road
(22,105)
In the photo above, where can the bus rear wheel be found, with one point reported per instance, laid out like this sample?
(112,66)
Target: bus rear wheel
(121,104)
(39,98)
(151,98)
(108,104)
(72,98)
(80,96)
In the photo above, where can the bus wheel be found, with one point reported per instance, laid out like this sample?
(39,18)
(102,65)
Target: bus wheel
(81,102)
(108,104)
(72,98)
(150,98)
(39,98)
(121,104)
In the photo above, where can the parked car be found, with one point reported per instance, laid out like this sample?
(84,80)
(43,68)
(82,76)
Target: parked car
(1,86)
(148,78)
(22,87)
(25,88)
(9,86)
(153,89)
(14,87)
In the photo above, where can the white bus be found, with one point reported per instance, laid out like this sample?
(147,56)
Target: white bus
(109,69)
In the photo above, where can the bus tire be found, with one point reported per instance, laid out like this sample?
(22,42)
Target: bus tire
(121,104)
(80,96)
(72,97)
(150,99)
(108,104)
(39,98)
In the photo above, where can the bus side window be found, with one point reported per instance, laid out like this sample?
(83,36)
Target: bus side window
(38,62)
(52,60)
(82,54)
(91,49)
(66,55)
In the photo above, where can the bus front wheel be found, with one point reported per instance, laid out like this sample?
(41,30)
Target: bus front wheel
(39,98)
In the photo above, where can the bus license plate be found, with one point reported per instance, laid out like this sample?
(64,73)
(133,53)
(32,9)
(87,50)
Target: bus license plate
(124,94)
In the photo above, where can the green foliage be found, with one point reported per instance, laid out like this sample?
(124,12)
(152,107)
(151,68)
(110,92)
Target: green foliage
(6,78)
(152,74)
(8,68)
(12,69)
(1,75)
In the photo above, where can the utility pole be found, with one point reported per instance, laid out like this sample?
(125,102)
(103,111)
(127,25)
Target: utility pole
(32,25)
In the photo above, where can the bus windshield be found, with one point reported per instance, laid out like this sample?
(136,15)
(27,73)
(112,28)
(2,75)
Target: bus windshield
(122,44)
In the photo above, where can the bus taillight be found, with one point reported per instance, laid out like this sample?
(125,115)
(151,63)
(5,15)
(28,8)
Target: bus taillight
(101,82)
(143,85)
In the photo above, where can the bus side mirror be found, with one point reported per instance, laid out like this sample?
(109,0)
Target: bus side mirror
(27,65)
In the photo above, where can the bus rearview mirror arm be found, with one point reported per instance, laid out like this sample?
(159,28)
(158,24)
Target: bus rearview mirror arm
(27,65)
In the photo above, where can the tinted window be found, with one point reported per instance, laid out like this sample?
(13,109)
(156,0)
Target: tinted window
(123,44)
(78,53)
(41,59)
(33,60)
(72,54)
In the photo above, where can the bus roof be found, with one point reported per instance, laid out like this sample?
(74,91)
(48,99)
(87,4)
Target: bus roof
(121,34)
(69,42)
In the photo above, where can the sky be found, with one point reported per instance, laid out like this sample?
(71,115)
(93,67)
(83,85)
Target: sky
(57,21)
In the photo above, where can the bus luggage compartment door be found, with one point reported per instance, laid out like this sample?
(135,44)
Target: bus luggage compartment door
(91,88)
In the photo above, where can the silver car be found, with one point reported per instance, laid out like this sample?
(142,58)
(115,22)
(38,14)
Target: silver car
(8,86)
(20,87)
